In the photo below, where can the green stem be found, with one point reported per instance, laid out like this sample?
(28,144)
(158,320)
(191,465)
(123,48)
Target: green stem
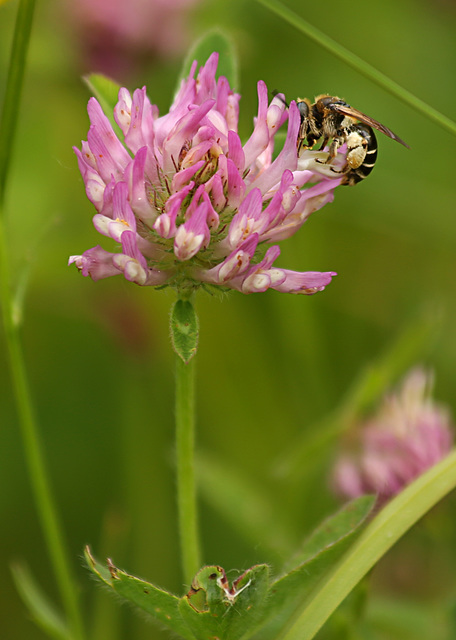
(359,64)
(186,490)
(35,461)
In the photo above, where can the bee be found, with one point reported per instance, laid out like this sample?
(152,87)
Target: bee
(333,119)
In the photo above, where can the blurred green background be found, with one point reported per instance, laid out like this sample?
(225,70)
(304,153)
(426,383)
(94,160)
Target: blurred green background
(269,366)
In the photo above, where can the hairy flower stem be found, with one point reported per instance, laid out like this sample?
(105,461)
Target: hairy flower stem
(34,458)
(186,490)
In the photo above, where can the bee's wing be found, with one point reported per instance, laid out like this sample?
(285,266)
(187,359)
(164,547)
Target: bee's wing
(359,115)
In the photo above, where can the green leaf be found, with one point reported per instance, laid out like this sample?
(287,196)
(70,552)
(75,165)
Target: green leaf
(42,609)
(346,521)
(106,91)
(376,539)
(214,40)
(184,329)
(213,609)
(318,556)
(203,608)
(160,604)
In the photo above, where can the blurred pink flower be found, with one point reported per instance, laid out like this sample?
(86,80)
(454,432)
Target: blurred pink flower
(188,202)
(409,434)
(114,34)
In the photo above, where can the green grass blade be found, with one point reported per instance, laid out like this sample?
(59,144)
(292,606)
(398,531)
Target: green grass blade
(9,116)
(360,65)
(312,563)
(37,470)
(378,537)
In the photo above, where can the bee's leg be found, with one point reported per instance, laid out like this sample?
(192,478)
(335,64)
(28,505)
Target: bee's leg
(311,140)
(340,171)
(323,144)
(314,161)
(356,155)
(335,144)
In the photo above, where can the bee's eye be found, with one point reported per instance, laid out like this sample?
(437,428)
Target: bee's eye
(303,109)
(326,102)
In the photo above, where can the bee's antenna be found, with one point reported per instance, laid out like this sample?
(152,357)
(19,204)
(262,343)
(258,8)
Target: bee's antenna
(275,93)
